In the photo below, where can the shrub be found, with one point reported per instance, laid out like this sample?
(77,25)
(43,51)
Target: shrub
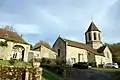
(48,61)
(100,65)
(12,61)
(43,61)
(93,64)
(20,59)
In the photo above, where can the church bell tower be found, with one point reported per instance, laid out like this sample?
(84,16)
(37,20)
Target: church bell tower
(93,36)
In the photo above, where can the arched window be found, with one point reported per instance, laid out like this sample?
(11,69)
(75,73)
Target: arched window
(89,36)
(94,34)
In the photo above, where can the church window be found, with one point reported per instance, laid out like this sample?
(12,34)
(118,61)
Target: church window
(107,55)
(89,36)
(94,36)
(99,35)
(73,60)
(80,57)
(59,52)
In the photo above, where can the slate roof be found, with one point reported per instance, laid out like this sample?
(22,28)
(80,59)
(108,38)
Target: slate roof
(45,44)
(81,46)
(92,27)
(11,36)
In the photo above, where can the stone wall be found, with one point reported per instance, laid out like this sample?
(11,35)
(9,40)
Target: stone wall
(19,73)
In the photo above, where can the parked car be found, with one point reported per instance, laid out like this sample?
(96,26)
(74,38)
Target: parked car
(111,65)
(81,65)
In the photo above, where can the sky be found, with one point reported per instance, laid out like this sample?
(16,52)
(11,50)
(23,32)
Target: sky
(47,19)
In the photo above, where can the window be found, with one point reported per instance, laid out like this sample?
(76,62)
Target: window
(59,52)
(15,55)
(73,60)
(89,36)
(37,55)
(99,35)
(80,57)
(94,36)
(88,53)
(107,55)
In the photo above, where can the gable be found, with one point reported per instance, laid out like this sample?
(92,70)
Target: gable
(59,42)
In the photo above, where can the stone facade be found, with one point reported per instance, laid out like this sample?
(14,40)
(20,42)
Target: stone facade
(76,55)
(92,51)
(43,52)
(61,46)
(10,52)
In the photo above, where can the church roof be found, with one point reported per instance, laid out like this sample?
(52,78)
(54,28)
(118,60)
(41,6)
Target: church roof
(81,46)
(92,27)
(11,36)
(45,44)
(101,49)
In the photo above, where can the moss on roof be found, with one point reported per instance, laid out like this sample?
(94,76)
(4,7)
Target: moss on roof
(11,36)
(45,44)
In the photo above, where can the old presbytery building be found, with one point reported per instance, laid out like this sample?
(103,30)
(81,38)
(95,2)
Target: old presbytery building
(92,51)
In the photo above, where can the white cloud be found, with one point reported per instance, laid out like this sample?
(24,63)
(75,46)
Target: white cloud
(48,16)
(27,29)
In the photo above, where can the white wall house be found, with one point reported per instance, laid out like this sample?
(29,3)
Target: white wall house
(16,47)
(42,50)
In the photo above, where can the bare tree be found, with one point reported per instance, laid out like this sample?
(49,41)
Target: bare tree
(9,28)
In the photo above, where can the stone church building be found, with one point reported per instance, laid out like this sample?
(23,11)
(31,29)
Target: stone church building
(93,51)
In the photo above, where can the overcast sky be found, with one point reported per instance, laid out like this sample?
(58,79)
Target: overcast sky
(47,19)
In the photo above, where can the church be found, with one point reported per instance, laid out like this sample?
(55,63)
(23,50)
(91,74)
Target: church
(93,51)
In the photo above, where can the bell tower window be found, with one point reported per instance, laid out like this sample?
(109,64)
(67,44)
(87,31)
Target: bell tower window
(89,36)
(95,38)
(99,35)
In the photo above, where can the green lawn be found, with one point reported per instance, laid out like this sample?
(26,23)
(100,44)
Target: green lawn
(49,75)
(17,63)
(105,69)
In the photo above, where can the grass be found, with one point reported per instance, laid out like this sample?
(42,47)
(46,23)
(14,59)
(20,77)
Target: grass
(49,75)
(105,69)
(17,63)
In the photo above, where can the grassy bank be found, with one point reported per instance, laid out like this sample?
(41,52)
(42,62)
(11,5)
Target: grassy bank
(17,63)
(50,75)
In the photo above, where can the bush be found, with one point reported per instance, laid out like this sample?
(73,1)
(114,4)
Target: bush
(100,65)
(48,61)
(81,65)
(43,61)
(12,61)
(93,64)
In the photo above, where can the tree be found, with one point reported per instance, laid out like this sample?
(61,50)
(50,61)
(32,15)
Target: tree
(9,28)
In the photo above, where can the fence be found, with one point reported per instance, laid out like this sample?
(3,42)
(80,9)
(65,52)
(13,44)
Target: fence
(19,73)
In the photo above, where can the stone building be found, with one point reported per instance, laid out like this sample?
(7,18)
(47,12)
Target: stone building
(92,51)
(12,45)
(42,50)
